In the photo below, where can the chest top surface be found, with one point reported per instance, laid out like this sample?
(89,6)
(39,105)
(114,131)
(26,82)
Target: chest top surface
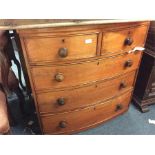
(7,24)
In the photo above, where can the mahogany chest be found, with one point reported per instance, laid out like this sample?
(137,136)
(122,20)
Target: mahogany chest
(82,76)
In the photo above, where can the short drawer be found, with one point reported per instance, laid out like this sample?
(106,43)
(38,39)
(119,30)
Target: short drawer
(64,123)
(64,76)
(123,40)
(52,49)
(72,98)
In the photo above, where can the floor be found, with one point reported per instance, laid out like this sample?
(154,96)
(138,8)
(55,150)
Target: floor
(132,122)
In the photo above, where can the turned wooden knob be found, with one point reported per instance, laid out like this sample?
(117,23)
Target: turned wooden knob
(119,107)
(63,124)
(61,101)
(123,85)
(128,63)
(59,77)
(128,41)
(63,52)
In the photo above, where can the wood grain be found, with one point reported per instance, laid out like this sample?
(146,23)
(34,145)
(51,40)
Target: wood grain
(72,28)
(85,118)
(113,41)
(44,77)
(47,48)
(88,95)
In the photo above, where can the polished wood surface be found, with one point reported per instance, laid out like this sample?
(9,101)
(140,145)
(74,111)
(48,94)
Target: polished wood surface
(118,38)
(87,117)
(10,24)
(82,75)
(89,95)
(48,48)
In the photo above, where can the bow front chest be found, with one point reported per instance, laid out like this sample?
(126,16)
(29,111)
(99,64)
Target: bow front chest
(82,75)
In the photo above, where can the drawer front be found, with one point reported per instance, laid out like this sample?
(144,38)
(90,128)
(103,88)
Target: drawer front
(63,76)
(93,115)
(65,100)
(41,49)
(123,40)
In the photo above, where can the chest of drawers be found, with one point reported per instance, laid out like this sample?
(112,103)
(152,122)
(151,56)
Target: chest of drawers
(82,76)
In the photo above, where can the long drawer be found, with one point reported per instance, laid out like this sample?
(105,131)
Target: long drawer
(124,39)
(72,98)
(74,121)
(63,76)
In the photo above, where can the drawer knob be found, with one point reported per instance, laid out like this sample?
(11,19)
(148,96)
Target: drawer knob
(128,63)
(63,52)
(59,77)
(61,101)
(128,41)
(123,85)
(63,124)
(119,107)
